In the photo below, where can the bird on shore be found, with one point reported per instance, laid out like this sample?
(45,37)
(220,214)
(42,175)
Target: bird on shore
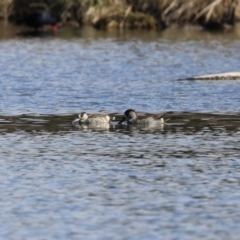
(37,20)
(84,118)
(131,117)
(37,17)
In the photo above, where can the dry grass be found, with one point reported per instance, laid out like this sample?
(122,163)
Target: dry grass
(190,11)
(164,13)
(5,9)
(131,13)
(117,14)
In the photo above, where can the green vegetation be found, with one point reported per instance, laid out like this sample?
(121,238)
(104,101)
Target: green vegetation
(133,14)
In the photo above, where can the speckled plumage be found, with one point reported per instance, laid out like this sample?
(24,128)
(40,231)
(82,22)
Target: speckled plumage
(84,118)
(132,118)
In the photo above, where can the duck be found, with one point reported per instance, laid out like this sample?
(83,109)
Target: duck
(131,117)
(84,118)
(38,17)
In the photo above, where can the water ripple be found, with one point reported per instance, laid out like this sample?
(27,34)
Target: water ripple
(177,181)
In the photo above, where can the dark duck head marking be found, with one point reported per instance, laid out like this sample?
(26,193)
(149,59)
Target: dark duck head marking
(131,117)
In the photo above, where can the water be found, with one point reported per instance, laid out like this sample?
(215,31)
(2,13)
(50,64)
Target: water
(178,181)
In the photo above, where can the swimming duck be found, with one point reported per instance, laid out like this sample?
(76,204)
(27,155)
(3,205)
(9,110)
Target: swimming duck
(84,118)
(132,118)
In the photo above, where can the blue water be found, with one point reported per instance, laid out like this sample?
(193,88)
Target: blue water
(59,181)
(54,75)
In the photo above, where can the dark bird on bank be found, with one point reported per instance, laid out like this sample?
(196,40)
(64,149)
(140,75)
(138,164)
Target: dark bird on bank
(37,20)
(37,17)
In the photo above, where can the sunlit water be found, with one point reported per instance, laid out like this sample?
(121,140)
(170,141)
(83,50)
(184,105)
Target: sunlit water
(177,181)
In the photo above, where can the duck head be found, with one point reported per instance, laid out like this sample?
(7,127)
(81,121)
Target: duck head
(130,116)
(82,117)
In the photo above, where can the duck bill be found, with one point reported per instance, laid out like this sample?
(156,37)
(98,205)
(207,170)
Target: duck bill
(123,119)
(166,120)
(76,121)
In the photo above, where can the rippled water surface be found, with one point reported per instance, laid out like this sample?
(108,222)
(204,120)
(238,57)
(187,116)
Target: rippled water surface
(177,181)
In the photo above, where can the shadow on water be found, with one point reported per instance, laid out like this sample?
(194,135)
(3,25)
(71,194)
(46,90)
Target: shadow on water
(9,31)
(33,33)
(184,121)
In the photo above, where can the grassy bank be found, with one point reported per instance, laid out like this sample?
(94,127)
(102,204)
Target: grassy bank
(133,14)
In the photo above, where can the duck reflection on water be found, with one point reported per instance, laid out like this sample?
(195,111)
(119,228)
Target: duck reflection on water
(95,126)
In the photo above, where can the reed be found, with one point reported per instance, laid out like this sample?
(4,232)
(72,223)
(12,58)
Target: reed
(5,9)
(161,13)
(204,12)
(117,14)
(132,13)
